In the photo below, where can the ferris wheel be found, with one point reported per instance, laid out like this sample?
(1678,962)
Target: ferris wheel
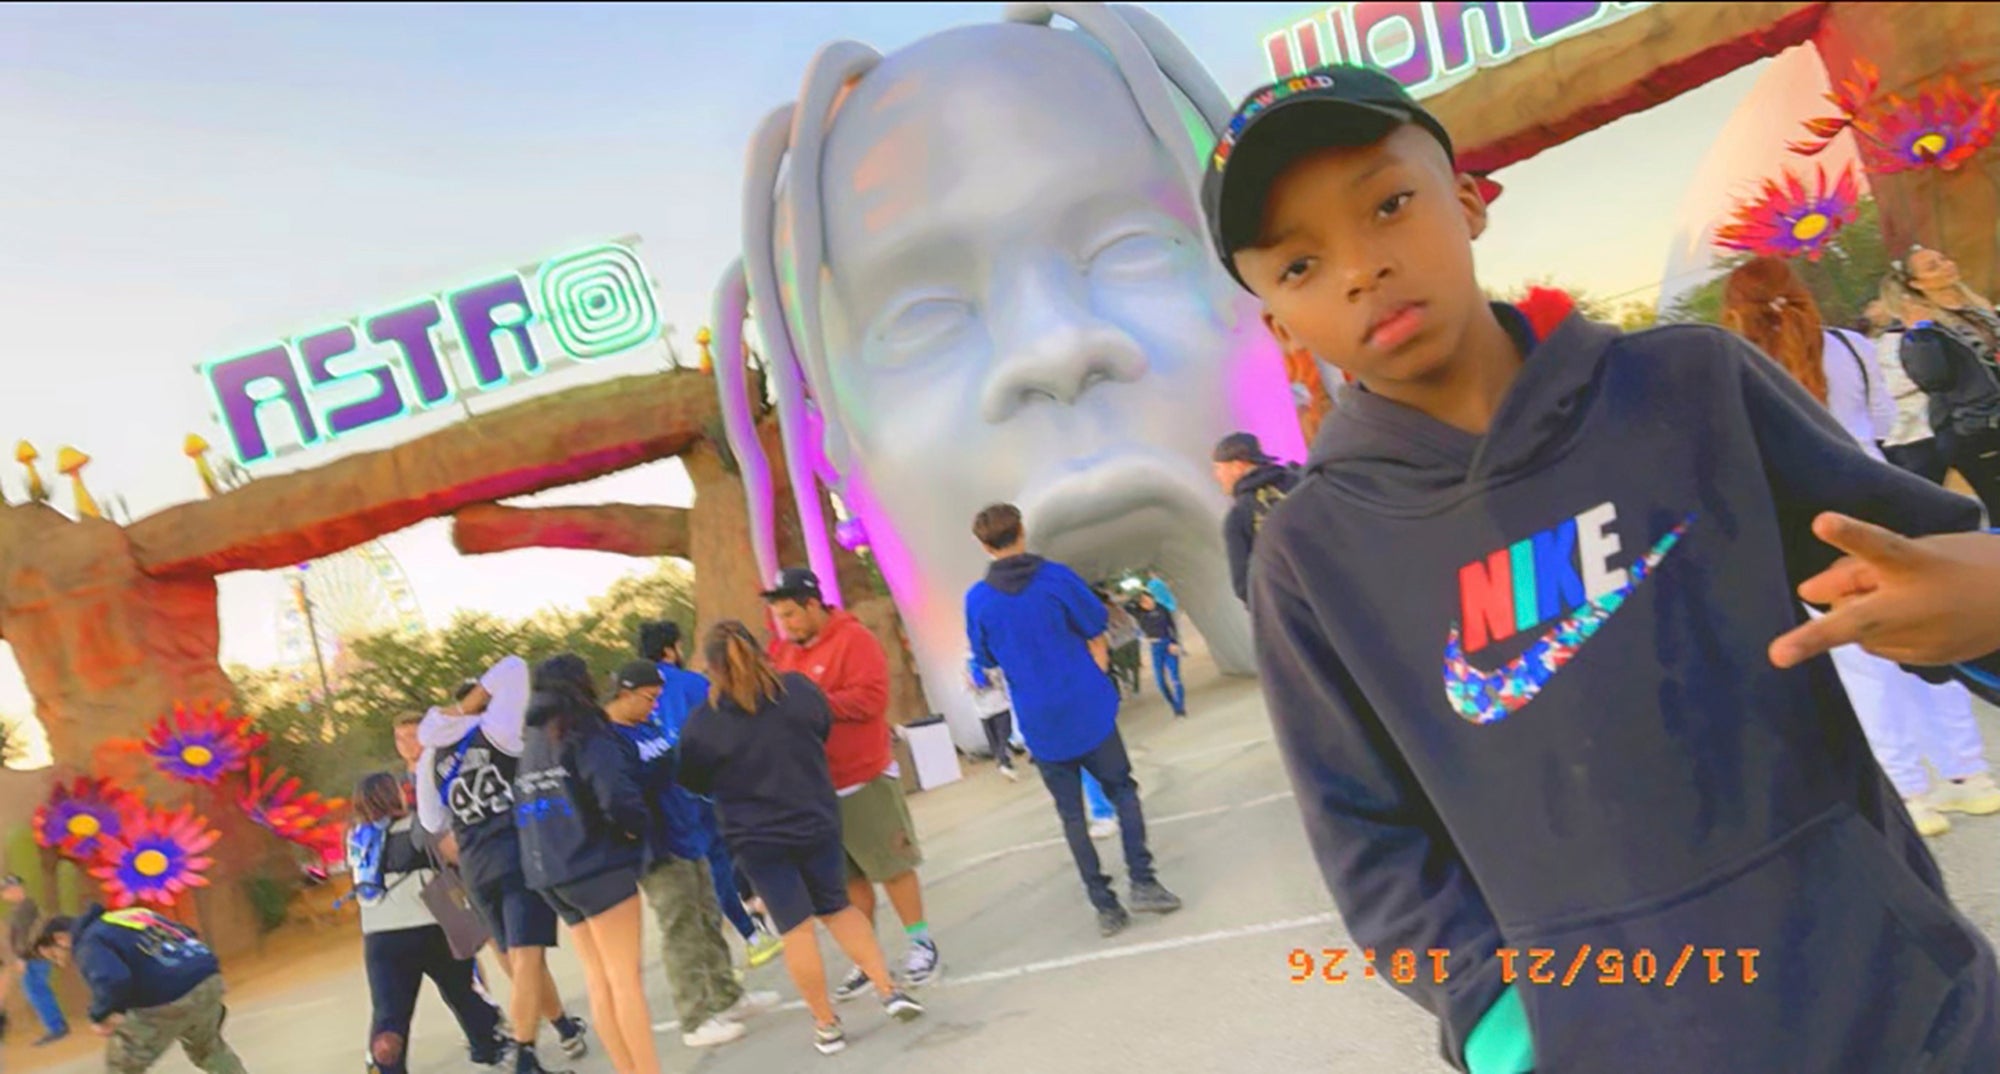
(338,599)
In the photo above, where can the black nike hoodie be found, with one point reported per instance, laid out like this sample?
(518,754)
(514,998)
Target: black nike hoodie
(1521,689)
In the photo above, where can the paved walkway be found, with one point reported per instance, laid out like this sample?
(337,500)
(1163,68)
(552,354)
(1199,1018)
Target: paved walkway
(1029,986)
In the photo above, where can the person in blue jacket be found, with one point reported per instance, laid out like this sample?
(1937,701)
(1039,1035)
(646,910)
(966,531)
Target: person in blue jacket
(1512,627)
(583,819)
(681,693)
(153,983)
(1039,622)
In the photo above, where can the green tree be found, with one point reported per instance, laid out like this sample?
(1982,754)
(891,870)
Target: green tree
(330,742)
(1843,281)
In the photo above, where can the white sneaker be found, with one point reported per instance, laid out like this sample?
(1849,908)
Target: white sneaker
(1008,771)
(1104,829)
(1976,795)
(713,1032)
(750,1006)
(1929,821)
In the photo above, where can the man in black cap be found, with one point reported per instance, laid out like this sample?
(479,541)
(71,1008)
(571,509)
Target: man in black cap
(1256,482)
(843,658)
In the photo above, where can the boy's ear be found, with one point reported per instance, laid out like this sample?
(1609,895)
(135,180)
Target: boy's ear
(1278,330)
(1472,203)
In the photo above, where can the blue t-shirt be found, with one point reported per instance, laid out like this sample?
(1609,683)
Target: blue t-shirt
(683,826)
(685,692)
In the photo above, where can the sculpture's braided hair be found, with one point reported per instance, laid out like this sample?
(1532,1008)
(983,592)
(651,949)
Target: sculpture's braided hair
(784,239)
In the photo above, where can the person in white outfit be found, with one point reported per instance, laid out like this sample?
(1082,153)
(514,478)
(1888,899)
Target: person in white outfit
(1908,721)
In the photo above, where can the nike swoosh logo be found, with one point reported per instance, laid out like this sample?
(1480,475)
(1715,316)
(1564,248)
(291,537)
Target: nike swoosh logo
(1490,696)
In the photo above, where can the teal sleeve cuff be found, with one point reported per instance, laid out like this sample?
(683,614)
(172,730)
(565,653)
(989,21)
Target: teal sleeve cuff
(1501,1043)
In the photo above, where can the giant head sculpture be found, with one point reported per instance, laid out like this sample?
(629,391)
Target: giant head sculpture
(979,270)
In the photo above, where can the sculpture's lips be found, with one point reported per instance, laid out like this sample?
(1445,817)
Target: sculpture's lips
(1102,487)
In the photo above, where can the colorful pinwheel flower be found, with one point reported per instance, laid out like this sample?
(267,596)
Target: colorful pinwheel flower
(159,856)
(1788,219)
(1942,128)
(198,746)
(80,815)
(273,801)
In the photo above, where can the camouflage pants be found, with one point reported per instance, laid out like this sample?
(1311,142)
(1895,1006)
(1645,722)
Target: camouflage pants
(195,1020)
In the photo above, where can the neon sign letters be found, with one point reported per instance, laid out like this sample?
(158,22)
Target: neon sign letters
(590,304)
(1430,46)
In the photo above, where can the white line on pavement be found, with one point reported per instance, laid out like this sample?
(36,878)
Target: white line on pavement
(1151,822)
(1109,954)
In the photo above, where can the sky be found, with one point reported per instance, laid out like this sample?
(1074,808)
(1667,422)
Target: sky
(185,182)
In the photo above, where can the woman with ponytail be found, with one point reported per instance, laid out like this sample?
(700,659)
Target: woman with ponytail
(401,943)
(1906,719)
(583,820)
(758,747)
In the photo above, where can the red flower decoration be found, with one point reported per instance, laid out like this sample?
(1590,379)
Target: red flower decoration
(80,815)
(1850,97)
(1789,220)
(275,804)
(1942,128)
(199,746)
(158,856)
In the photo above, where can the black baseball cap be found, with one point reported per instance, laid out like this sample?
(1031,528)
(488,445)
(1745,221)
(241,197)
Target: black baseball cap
(637,675)
(1329,106)
(1241,447)
(794,583)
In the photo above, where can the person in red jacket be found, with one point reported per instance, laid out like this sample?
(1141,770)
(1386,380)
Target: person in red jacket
(833,649)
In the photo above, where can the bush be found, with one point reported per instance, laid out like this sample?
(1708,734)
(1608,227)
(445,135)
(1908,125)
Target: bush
(272,901)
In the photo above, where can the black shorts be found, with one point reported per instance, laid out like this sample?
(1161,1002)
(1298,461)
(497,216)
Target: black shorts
(517,917)
(797,884)
(584,899)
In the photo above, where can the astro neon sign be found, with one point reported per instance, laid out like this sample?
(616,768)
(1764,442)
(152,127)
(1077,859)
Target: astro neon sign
(1430,46)
(586,305)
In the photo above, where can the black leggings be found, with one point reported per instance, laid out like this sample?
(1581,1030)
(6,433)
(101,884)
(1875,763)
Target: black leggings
(999,733)
(1977,456)
(398,962)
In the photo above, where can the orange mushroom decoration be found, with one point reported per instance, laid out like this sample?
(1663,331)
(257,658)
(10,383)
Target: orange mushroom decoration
(701,338)
(25,454)
(194,447)
(70,463)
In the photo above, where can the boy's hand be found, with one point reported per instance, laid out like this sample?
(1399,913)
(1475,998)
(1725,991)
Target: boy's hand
(1922,601)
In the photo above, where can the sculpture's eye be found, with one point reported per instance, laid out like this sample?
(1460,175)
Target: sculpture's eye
(1135,253)
(923,323)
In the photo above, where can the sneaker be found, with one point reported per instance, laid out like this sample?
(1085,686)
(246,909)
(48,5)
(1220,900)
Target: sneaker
(829,1039)
(527,1062)
(750,1006)
(1976,795)
(764,948)
(1112,920)
(576,1042)
(1008,771)
(1928,820)
(1104,829)
(1151,898)
(713,1032)
(921,965)
(901,1007)
(855,984)
(51,1038)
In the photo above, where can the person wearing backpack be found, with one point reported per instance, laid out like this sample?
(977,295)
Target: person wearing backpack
(401,940)
(1257,482)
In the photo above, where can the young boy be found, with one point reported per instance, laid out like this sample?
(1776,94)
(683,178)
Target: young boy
(1614,836)
(152,983)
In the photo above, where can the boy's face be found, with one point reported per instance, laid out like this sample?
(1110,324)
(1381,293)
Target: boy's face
(57,951)
(1366,257)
